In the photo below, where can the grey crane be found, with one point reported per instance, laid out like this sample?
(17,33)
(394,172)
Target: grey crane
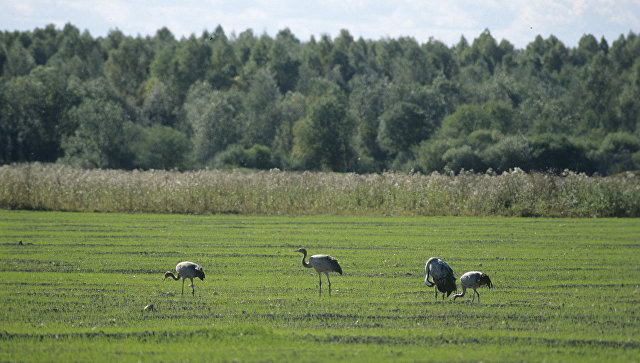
(473,280)
(186,270)
(443,276)
(322,264)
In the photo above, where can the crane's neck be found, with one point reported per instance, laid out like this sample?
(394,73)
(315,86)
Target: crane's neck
(170,274)
(305,264)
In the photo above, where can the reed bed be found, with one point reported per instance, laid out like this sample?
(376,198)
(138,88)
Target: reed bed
(37,186)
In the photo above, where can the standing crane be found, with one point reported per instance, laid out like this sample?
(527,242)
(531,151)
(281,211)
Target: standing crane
(473,280)
(322,264)
(443,276)
(186,270)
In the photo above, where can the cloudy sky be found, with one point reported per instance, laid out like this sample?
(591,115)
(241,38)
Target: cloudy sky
(517,21)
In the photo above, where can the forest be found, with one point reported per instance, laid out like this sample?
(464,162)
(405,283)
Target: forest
(339,104)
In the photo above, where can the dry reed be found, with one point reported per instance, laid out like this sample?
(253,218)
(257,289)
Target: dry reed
(37,186)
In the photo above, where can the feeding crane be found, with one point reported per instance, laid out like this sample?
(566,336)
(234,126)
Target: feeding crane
(473,280)
(186,270)
(443,276)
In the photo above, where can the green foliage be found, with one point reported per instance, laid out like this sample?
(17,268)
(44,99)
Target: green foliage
(460,158)
(616,151)
(402,104)
(161,147)
(75,289)
(261,109)
(466,119)
(256,157)
(402,126)
(224,63)
(30,114)
(127,67)
(321,141)
(508,153)
(158,106)
(103,137)
(211,116)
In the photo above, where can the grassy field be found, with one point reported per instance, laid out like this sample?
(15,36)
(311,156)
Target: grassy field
(565,289)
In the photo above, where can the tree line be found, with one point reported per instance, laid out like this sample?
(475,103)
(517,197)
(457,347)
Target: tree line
(337,104)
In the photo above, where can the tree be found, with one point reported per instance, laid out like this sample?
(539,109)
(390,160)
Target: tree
(403,126)
(30,113)
(597,94)
(491,115)
(462,157)
(616,153)
(212,118)
(161,147)
(127,68)
(628,105)
(261,110)
(366,103)
(283,61)
(158,106)
(104,132)
(339,56)
(190,64)
(292,108)
(510,152)
(224,62)
(321,141)
(19,61)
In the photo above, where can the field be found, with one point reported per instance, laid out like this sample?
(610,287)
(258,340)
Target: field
(565,289)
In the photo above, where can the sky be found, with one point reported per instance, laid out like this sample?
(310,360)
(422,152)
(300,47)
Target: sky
(517,21)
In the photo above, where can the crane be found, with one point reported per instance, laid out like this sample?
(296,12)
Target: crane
(473,280)
(443,276)
(322,264)
(186,270)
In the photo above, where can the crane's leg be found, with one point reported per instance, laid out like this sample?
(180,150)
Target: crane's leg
(478,295)
(474,295)
(193,288)
(320,279)
(436,290)
(183,286)
(326,273)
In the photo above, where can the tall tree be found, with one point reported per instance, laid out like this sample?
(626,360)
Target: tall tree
(262,114)
(322,140)
(212,118)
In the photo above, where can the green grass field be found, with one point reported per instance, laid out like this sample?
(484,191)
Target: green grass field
(565,289)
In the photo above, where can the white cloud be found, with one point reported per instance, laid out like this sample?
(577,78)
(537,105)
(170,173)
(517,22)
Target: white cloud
(518,21)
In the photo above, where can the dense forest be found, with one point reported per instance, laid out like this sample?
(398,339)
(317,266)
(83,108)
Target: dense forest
(254,101)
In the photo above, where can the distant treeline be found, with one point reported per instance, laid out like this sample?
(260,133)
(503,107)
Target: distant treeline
(343,104)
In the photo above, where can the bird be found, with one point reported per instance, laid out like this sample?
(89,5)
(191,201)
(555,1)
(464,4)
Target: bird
(186,270)
(322,264)
(473,280)
(443,276)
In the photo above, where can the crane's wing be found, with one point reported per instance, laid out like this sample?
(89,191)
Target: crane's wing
(325,263)
(335,265)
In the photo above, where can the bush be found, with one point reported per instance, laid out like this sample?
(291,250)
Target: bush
(256,157)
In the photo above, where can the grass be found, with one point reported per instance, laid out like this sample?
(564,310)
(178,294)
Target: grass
(565,289)
(57,187)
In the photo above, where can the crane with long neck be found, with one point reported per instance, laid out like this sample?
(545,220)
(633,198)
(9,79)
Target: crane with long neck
(473,280)
(322,264)
(186,270)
